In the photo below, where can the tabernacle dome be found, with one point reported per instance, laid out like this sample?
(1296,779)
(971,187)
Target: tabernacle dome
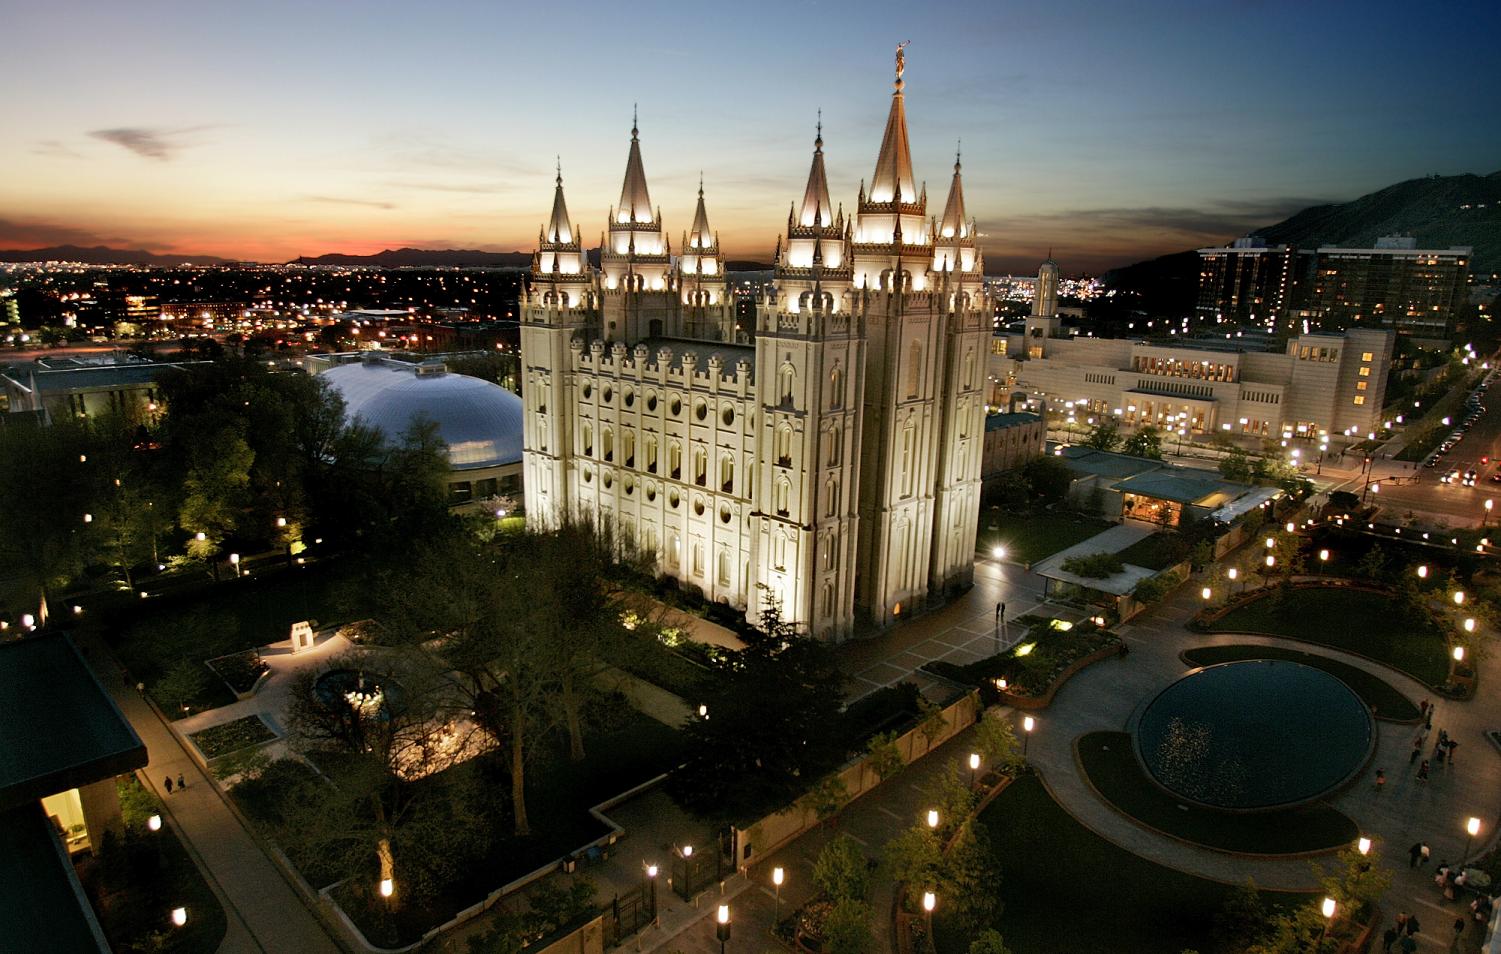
(481,422)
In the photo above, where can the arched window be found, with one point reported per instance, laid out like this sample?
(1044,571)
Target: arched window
(832,452)
(831,496)
(724,567)
(909,455)
(727,473)
(784,445)
(700,467)
(651,453)
(963,419)
(969,369)
(607,442)
(588,439)
(783,495)
(828,597)
(628,448)
(836,389)
(675,460)
(787,382)
(914,369)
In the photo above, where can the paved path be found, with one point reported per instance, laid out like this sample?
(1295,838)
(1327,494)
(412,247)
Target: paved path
(264,912)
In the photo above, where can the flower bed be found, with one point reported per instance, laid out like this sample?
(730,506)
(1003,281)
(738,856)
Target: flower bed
(241,671)
(229,737)
(1037,666)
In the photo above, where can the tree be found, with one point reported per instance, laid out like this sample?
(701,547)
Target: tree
(1242,918)
(1372,565)
(827,797)
(774,724)
(849,928)
(1344,501)
(1146,442)
(932,725)
(914,858)
(1236,465)
(883,756)
(969,878)
(1104,436)
(841,871)
(1049,479)
(1095,566)
(215,489)
(997,742)
(950,793)
(181,686)
(989,941)
(44,497)
(1154,588)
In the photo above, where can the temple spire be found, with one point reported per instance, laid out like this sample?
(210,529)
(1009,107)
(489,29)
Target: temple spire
(635,201)
(954,224)
(893,175)
(700,235)
(817,210)
(558,227)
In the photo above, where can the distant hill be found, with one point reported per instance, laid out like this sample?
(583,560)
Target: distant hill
(419,257)
(1438,211)
(101,255)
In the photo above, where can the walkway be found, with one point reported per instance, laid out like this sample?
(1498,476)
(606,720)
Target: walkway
(264,912)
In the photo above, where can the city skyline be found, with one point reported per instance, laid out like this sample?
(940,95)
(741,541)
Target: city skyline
(1106,136)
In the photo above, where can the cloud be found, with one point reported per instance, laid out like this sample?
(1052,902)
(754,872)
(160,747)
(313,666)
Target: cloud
(341,200)
(55,149)
(161,144)
(15,233)
(1223,219)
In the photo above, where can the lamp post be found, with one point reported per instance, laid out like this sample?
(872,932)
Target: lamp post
(1327,909)
(1459,597)
(1323,556)
(1028,724)
(1423,571)
(1206,593)
(1472,828)
(722,926)
(974,766)
(776,879)
(234,560)
(1485,518)
(154,823)
(1231,574)
(933,818)
(179,916)
(1363,845)
(929,902)
(387,889)
(651,885)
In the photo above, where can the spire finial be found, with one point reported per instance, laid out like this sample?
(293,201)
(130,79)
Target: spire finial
(958,152)
(634,131)
(560,170)
(901,62)
(700,183)
(818,137)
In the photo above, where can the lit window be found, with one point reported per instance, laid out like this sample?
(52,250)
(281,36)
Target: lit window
(1367,356)
(1359,399)
(1360,385)
(1365,372)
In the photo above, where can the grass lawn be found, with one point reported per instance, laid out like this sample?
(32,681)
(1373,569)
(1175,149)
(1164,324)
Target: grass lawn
(1157,552)
(1032,537)
(1357,621)
(1111,765)
(1384,700)
(1065,890)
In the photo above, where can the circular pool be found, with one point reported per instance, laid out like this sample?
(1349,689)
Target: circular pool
(1255,734)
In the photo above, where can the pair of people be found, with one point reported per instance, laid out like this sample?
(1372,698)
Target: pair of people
(181,782)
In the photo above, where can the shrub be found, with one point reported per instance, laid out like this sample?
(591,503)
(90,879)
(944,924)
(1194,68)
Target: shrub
(842,871)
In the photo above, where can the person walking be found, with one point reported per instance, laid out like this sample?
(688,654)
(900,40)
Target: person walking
(1459,930)
(1412,927)
(1451,745)
(1380,780)
(1417,750)
(1389,938)
(1413,854)
(1423,771)
(181,782)
(169,785)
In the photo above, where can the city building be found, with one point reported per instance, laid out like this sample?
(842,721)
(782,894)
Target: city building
(85,386)
(832,465)
(1319,385)
(480,421)
(63,743)
(1011,439)
(1415,291)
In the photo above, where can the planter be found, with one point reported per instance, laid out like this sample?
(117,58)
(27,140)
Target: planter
(243,673)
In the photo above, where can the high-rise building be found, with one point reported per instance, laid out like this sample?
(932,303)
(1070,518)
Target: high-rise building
(833,465)
(1247,283)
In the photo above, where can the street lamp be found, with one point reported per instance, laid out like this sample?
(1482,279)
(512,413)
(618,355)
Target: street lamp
(932,818)
(999,552)
(1363,846)
(1206,593)
(1270,543)
(776,879)
(1459,654)
(154,823)
(234,559)
(1485,518)
(974,766)
(1459,597)
(1231,574)
(651,879)
(1028,724)
(722,926)
(1291,526)
(1472,828)
(387,888)
(179,916)
(929,902)
(1470,624)
(1323,556)
(1327,909)
(1423,571)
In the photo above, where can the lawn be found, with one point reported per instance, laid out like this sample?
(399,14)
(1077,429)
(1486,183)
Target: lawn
(1066,890)
(1032,537)
(1385,701)
(1357,621)
(1111,766)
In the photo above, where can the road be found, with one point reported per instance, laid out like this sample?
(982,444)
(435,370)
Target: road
(1462,504)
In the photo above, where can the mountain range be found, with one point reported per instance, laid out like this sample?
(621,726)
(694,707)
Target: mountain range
(103,255)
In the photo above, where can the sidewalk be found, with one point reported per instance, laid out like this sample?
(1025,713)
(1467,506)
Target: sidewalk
(264,912)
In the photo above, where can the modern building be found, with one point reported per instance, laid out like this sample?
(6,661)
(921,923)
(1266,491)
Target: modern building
(831,466)
(1320,384)
(1156,492)
(480,421)
(1011,439)
(63,743)
(85,386)
(1396,285)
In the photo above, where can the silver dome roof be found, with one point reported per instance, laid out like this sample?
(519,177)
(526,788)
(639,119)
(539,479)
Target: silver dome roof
(480,421)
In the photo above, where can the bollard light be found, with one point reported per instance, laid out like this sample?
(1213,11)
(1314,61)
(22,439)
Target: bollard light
(387,887)
(154,823)
(179,916)
(1459,654)
(1423,571)
(1328,908)
(932,818)
(1363,846)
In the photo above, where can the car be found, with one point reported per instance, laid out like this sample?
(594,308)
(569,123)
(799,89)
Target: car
(1496,477)
(1469,478)
(1448,477)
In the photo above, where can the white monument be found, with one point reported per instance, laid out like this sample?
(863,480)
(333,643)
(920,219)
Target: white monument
(302,636)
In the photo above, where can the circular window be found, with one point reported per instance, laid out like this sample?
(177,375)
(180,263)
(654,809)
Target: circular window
(630,397)
(651,491)
(608,394)
(651,401)
(673,499)
(588,475)
(724,514)
(607,480)
(630,486)
(698,506)
(588,390)
(727,415)
(676,407)
(701,410)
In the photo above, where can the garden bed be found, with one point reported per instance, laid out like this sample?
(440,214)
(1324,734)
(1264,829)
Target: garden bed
(1360,620)
(1109,762)
(229,737)
(242,672)
(1385,701)
(1037,666)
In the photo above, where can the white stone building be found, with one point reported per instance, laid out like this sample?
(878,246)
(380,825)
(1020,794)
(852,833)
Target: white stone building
(833,464)
(1321,384)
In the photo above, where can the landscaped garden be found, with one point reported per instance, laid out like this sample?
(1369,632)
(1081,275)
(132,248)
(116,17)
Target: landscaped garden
(1385,701)
(1065,890)
(134,883)
(1376,625)
(1035,662)
(1030,537)
(229,737)
(1110,763)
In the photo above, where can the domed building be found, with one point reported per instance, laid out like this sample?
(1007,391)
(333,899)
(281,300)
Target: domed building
(481,422)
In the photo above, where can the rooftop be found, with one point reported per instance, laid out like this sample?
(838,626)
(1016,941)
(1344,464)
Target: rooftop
(43,908)
(1113,540)
(1003,419)
(1087,461)
(1182,485)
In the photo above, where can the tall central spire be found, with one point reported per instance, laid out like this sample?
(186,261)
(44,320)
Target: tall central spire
(635,203)
(893,174)
(817,210)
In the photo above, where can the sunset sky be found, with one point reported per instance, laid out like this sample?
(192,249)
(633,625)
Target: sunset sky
(1108,131)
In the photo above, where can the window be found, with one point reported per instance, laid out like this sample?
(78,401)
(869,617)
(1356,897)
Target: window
(832,454)
(914,369)
(909,447)
(836,389)
(651,454)
(828,552)
(963,419)
(675,460)
(674,548)
(784,493)
(1365,372)
(788,380)
(628,448)
(1360,385)
(828,597)
(724,568)
(727,473)
(1367,356)
(700,467)
(727,415)
(607,440)
(831,497)
(784,445)
(969,369)
(1359,399)
(698,559)
(588,440)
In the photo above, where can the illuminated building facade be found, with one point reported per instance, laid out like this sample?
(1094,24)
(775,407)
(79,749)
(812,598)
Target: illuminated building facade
(831,465)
